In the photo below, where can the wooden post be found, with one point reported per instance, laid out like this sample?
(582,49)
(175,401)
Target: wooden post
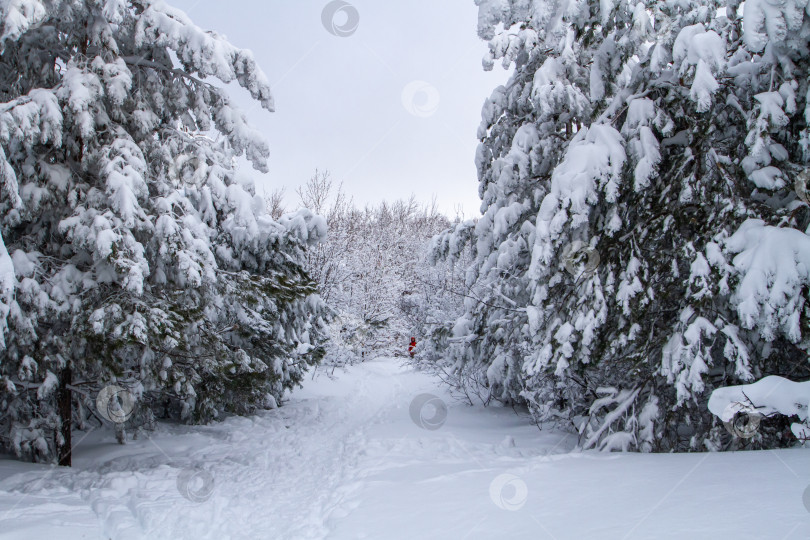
(65,406)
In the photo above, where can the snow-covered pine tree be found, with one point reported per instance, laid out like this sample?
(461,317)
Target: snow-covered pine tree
(662,138)
(134,252)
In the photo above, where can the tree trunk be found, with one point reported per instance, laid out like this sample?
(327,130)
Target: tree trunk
(65,404)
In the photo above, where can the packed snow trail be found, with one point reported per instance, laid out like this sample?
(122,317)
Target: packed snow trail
(344,459)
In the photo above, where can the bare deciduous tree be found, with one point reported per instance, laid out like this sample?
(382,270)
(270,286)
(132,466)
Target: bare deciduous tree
(275,202)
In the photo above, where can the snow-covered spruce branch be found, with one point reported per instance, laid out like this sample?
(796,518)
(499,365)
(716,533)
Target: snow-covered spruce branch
(478,300)
(138,61)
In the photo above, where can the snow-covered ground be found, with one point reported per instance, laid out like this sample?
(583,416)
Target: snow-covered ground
(345,459)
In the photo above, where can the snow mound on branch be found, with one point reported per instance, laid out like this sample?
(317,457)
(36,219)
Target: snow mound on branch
(35,118)
(18,16)
(769,395)
(81,90)
(307,227)
(774,264)
(552,92)
(595,157)
(642,143)
(593,162)
(694,46)
(767,20)
(757,164)
(703,87)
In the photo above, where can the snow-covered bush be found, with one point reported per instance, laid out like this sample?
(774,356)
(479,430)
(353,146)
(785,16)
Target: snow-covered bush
(664,140)
(138,255)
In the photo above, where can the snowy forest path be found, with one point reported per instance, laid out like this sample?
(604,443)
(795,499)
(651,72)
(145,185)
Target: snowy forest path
(278,474)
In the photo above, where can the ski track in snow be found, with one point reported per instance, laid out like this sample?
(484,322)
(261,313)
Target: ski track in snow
(343,460)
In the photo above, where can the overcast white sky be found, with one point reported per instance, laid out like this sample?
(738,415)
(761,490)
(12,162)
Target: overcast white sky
(339,100)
